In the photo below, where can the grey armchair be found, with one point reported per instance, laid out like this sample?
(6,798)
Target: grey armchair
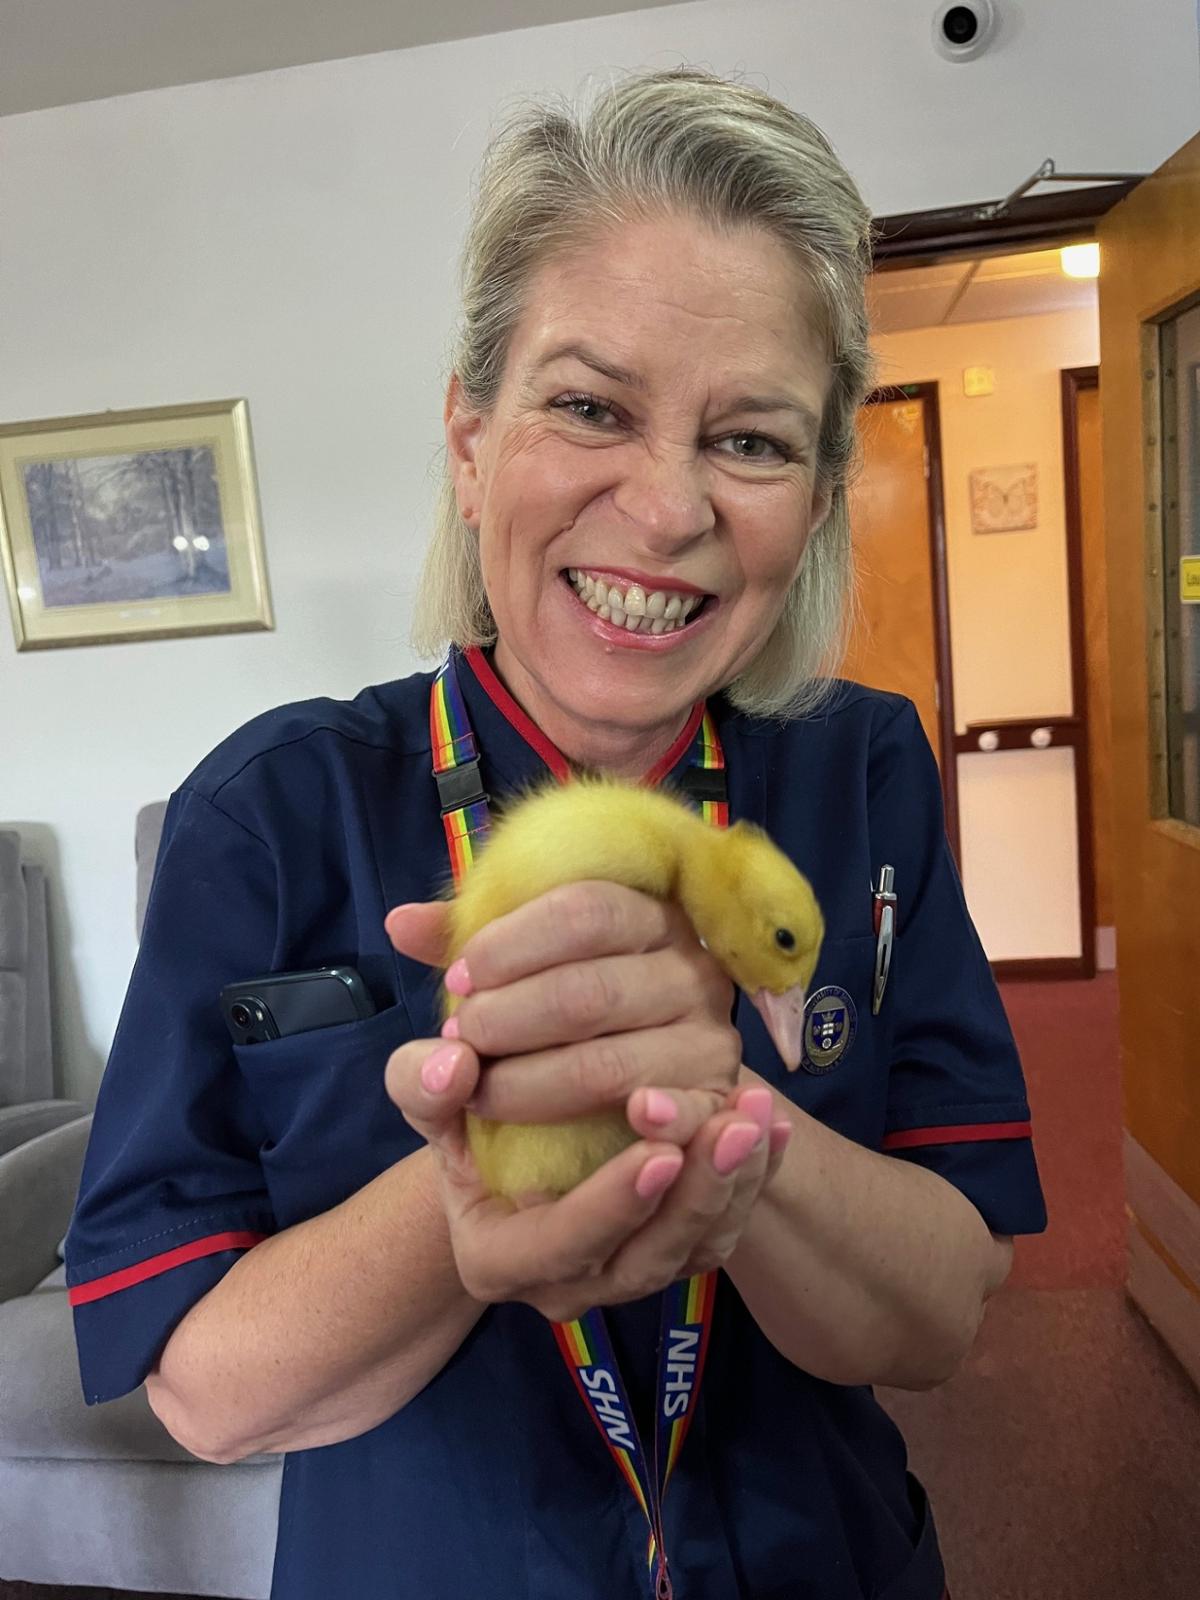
(28,1105)
(102,1495)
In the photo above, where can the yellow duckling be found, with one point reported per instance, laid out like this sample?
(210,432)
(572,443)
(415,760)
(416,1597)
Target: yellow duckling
(752,909)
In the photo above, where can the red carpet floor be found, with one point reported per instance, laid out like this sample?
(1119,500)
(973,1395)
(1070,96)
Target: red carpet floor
(1063,1461)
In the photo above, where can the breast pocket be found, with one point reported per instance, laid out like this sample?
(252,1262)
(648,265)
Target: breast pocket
(842,1079)
(327,1124)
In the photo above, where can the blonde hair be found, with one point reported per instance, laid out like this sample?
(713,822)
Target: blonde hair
(680,141)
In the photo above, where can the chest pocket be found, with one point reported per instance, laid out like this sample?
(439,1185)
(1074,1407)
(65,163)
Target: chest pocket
(843,1078)
(327,1125)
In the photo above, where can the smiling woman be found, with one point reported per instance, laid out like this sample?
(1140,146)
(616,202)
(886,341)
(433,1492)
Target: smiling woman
(640,564)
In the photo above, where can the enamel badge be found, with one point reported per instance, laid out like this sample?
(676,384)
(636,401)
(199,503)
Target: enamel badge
(830,1023)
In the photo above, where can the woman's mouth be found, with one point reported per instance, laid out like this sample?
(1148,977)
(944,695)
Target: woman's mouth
(633,607)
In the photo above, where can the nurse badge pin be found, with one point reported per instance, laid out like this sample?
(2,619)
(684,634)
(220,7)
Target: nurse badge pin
(830,1023)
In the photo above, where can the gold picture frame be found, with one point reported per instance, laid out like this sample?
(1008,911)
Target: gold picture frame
(124,525)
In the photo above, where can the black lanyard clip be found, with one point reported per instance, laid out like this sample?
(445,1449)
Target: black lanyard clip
(460,787)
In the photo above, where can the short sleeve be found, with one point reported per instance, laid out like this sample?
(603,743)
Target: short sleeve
(956,1093)
(172,1190)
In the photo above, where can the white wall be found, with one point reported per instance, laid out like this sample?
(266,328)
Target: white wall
(291,237)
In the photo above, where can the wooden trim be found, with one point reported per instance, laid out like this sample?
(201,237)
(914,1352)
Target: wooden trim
(1152,547)
(921,238)
(1039,968)
(1164,1211)
(1013,733)
(927,393)
(1073,380)
(1164,1253)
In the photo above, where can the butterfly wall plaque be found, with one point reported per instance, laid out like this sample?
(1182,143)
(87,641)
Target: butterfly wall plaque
(1004,499)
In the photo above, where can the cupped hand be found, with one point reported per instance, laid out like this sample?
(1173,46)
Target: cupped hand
(594,997)
(673,1203)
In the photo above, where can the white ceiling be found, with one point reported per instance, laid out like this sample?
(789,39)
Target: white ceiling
(57,52)
(974,290)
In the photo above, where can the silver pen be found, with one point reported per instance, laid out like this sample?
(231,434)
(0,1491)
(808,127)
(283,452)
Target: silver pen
(884,903)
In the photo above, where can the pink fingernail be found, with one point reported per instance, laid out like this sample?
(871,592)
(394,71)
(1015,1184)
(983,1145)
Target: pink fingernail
(660,1108)
(759,1104)
(735,1145)
(458,979)
(658,1174)
(780,1133)
(438,1067)
(450,1028)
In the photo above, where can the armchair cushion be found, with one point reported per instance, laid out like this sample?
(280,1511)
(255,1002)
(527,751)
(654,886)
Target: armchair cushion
(38,1183)
(21,1123)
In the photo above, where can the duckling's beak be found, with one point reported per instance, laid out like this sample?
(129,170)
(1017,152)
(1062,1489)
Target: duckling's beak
(784,1017)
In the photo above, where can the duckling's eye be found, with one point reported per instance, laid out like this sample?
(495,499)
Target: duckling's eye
(785,938)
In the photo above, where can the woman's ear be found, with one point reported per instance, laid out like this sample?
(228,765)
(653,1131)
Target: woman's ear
(822,502)
(464,433)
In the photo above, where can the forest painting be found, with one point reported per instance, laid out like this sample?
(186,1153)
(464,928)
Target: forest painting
(127,527)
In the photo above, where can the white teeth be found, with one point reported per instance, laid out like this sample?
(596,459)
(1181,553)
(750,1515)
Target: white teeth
(634,610)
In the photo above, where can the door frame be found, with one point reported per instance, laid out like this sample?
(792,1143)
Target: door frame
(927,393)
(1073,380)
(925,238)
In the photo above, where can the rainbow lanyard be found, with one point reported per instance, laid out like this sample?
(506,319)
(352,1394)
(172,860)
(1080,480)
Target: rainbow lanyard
(687,1306)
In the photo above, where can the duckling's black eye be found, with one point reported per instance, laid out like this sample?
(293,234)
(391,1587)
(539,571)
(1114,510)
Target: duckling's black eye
(785,938)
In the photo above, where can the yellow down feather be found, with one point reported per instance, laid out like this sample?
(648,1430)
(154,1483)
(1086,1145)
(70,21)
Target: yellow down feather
(741,894)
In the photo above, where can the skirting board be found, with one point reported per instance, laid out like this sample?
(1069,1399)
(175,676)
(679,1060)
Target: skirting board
(1164,1254)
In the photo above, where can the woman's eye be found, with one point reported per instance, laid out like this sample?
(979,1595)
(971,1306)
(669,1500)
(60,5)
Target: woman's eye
(755,439)
(580,404)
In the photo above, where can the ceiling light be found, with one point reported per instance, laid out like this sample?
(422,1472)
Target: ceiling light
(1080,260)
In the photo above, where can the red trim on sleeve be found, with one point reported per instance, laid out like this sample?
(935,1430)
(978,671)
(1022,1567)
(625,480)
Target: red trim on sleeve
(966,1133)
(508,707)
(81,1293)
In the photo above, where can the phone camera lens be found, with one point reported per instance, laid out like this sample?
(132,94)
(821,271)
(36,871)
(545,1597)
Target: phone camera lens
(960,25)
(240,1015)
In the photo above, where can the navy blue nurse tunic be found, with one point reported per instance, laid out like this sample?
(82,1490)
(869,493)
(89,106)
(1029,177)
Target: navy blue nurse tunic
(285,849)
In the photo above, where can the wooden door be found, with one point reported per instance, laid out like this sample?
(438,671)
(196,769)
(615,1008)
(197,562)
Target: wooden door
(900,638)
(1150,273)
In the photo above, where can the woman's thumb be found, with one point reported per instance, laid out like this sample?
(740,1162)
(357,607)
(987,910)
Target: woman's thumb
(420,929)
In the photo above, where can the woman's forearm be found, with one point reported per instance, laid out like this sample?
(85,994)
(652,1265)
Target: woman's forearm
(861,1268)
(322,1331)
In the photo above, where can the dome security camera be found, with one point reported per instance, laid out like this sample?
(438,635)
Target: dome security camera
(963,29)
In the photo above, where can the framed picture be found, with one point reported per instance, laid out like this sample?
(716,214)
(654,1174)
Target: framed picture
(132,525)
(1004,499)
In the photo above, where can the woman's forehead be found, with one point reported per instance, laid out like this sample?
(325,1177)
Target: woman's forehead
(643,306)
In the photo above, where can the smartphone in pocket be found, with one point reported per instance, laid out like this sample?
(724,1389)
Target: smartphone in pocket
(285,1003)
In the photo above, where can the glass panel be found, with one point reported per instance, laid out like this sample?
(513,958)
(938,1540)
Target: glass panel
(1180,352)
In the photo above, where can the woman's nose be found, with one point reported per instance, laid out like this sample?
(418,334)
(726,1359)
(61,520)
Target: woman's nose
(666,495)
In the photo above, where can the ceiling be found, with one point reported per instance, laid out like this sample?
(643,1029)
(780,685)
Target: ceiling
(57,52)
(975,290)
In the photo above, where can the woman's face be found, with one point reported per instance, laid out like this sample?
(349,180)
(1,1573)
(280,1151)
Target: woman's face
(645,486)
